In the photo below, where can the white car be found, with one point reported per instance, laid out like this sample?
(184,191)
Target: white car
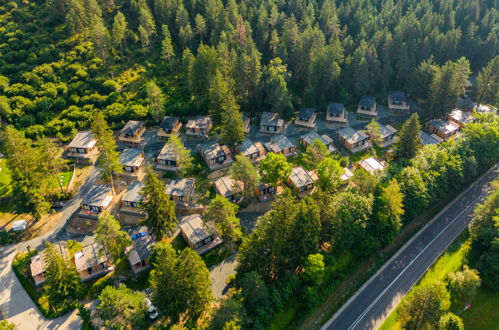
(153,313)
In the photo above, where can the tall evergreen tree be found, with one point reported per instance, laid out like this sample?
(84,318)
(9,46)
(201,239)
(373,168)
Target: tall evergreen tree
(109,160)
(160,211)
(167,50)
(409,138)
(53,161)
(487,83)
(109,234)
(156,100)
(184,158)
(276,88)
(119,31)
(242,170)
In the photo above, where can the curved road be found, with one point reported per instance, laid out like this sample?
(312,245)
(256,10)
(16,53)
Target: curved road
(373,302)
(15,304)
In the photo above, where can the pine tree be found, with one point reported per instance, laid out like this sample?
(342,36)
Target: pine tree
(109,160)
(119,30)
(232,129)
(200,26)
(160,210)
(304,235)
(167,46)
(409,138)
(62,280)
(487,83)
(156,100)
(242,170)
(223,214)
(184,158)
(109,234)
(276,88)
(53,160)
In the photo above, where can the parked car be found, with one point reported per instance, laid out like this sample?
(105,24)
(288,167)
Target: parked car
(153,312)
(57,205)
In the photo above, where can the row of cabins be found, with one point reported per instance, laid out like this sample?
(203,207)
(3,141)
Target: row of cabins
(358,140)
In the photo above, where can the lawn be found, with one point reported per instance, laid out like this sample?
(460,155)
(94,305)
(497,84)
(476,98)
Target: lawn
(64,178)
(215,256)
(482,313)
(5,180)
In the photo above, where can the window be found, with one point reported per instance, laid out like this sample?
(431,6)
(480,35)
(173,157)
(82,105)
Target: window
(102,265)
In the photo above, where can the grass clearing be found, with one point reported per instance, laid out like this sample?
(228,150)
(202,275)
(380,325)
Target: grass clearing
(5,180)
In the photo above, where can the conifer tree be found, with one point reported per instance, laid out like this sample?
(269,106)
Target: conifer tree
(160,211)
(242,170)
(167,46)
(487,83)
(156,100)
(109,234)
(223,213)
(119,30)
(184,158)
(409,138)
(109,160)
(374,132)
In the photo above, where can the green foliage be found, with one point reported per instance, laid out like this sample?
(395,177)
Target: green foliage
(242,170)
(424,306)
(184,158)
(314,268)
(374,132)
(408,138)
(180,282)
(463,284)
(108,160)
(109,234)
(315,153)
(6,325)
(223,213)
(160,210)
(329,172)
(450,321)
(364,181)
(122,307)
(155,100)
(274,169)
(487,83)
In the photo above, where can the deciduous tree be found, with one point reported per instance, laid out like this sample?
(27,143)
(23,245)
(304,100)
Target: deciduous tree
(122,308)
(109,234)
(315,153)
(223,214)
(329,174)
(184,158)
(242,170)
(155,100)
(274,169)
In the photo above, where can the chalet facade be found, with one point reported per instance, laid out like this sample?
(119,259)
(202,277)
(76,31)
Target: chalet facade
(336,115)
(132,161)
(83,147)
(169,126)
(265,191)
(198,127)
(132,133)
(97,200)
(229,188)
(216,156)
(92,262)
(254,151)
(167,159)
(444,129)
(271,123)
(280,144)
(310,137)
(354,141)
(132,200)
(397,101)
(197,235)
(387,134)
(306,118)
(367,107)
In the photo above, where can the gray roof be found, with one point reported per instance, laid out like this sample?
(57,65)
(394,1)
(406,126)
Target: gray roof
(300,177)
(168,123)
(98,195)
(182,187)
(310,137)
(397,96)
(194,228)
(429,139)
(248,147)
(461,116)
(199,121)
(84,139)
(445,126)
(386,130)
(132,127)
(90,255)
(271,119)
(213,149)
(131,157)
(306,113)
(367,101)
(142,242)
(351,135)
(279,143)
(134,192)
(334,108)
(167,152)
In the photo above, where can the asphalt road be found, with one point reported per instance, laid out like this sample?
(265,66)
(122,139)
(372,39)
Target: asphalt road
(373,302)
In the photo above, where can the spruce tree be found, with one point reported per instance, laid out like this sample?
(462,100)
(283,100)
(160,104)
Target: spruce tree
(160,210)
(119,30)
(487,83)
(184,158)
(167,46)
(409,138)
(109,160)
(155,100)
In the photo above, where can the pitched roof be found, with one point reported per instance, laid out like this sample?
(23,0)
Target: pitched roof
(300,177)
(397,96)
(37,265)
(386,130)
(278,143)
(131,157)
(168,123)
(334,108)
(199,121)
(271,119)
(134,192)
(310,137)
(347,174)
(213,149)
(167,153)
(427,139)
(248,147)
(306,113)
(132,127)
(90,255)
(351,135)
(84,139)
(371,165)
(142,245)
(182,187)
(367,102)
(445,126)
(98,195)
(194,229)
(226,186)
(461,116)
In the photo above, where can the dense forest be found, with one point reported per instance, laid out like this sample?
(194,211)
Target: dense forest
(135,59)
